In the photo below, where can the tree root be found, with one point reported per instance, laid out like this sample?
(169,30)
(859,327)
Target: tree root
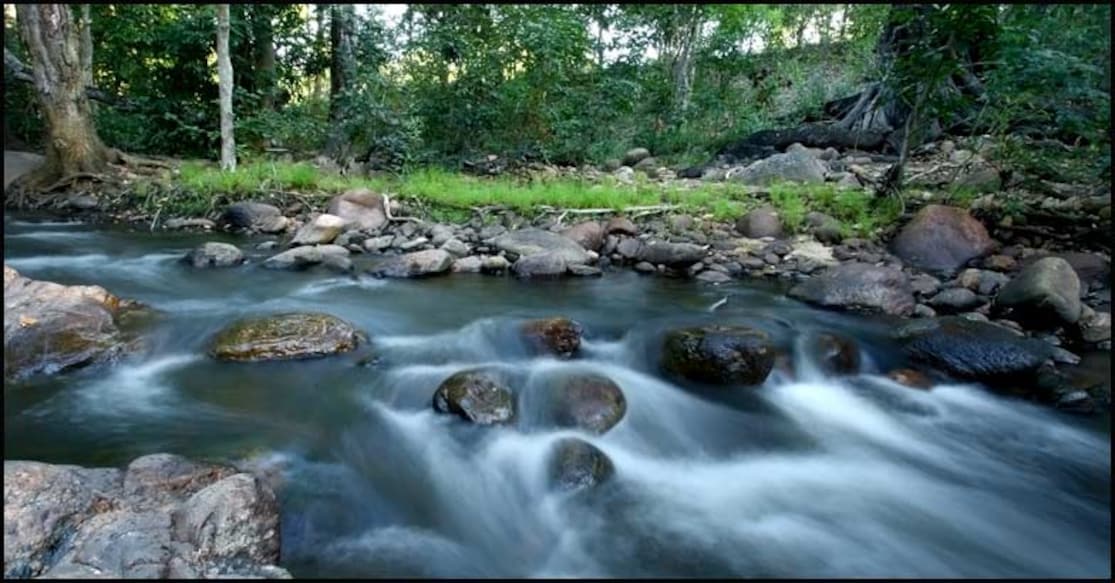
(67,180)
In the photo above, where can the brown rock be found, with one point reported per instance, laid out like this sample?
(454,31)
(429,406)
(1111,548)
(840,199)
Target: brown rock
(589,234)
(910,378)
(559,336)
(622,226)
(942,239)
(362,207)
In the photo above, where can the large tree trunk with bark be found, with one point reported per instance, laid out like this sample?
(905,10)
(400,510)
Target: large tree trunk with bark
(224,79)
(86,45)
(72,146)
(264,35)
(342,71)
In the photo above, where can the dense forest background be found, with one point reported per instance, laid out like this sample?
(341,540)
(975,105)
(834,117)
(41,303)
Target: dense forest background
(569,84)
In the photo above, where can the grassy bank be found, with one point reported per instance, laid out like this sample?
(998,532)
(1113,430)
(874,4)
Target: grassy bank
(200,189)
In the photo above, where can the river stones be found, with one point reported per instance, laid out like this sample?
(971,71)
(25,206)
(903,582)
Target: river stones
(591,402)
(971,349)
(910,378)
(576,464)
(1045,294)
(162,516)
(942,239)
(361,207)
(50,327)
(304,256)
(718,355)
(284,337)
(540,265)
(558,336)
(859,286)
(323,229)
(761,222)
(587,234)
(792,166)
(670,254)
(834,353)
(480,396)
(417,264)
(254,216)
(214,254)
(621,226)
(527,242)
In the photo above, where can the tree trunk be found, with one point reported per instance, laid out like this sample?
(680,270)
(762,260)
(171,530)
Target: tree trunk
(264,33)
(319,40)
(72,144)
(86,46)
(342,71)
(224,76)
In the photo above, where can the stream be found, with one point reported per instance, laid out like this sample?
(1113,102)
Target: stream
(805,476)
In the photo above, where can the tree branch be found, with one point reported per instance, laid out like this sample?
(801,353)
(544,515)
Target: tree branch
(15,69)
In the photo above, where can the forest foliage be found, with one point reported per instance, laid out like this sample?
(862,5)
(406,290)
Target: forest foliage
(564,84)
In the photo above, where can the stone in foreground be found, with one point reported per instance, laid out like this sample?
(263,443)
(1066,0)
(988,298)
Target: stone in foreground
(1044,294)
(478,395)
(587,401)
(558,336)
(284,337)
(417,264)
(975,350)
(942,239)
(577,464)
(214,254)
(859,286)
(718,355)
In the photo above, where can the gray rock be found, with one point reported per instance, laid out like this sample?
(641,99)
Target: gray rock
(924,284)
(585,271)
(576,464)
(761,222)
(495,264)
(645,267)
(254,216)
(214,254)
(527,242)
(469,264)
(587,234)
(302,257)
(621,226)
(540,265)
(360,207)
(923,311)
(669,254)
(972,350)
(455,247)
(942,239)
(719,355)
(413,244)
(480,396)
(323,229)
(1095,327)
(713,277)
(284,337)
(1044,294)
(180,223)
(624,174)
(378,243)
(957,299)
(859,286)
(417,264)
(789,167)
(635,155)
(439,234)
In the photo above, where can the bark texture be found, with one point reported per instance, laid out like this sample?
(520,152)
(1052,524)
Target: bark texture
(224,73)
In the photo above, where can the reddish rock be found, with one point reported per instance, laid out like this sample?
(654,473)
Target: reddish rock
(942,239)
(589,234)
(361,207)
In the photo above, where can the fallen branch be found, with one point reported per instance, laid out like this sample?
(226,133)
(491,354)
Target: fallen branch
(387,212)
(65,180)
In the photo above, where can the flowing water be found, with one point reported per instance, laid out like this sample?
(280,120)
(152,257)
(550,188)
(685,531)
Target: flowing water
(806,476)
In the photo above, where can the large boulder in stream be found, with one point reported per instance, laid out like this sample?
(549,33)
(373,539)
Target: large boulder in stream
(417,264)
(49,327)
(970,349)
(1045,294)
(304,256)
(541,265)
(859,286)
(284,337)
(526,242)
(163,516)
(323,229)
(718,355)
(793,166)
(214,254)
(942,239)
(558,336)
(587,234)
(254,217)
(480,396)
(361,207)
(591,402)
(577,464)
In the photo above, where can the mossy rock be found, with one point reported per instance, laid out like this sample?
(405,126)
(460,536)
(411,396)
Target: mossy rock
(576,464)
(285,337)
(558,336)
(591,402)
(480,396)
(718,355)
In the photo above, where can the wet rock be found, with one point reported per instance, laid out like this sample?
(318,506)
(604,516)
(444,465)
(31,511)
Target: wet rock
(1000,263)
(540,265)
(530,241)
(859,286)
(455,247)
(794,166)
(375,244)
(303,257)
(910,378)
(942,239)
(283,337)
(972,350)
(645,267)
(439,234)
(323,229)
(494,264)
(361,207)
(676,255)
(478,395)
(621,226)
(585,271)
(416,264)
(1044,294)
(955,300)
(408,245)
(591,402)
(713,277)
(255,217)
(50,327)
(558,336)
(197,223)
(924,284)
(164,515)
(760,222)
(576,464)
(718,355)
(588,234)
(1095,327)
(214,254)
(834,353)
(469,264)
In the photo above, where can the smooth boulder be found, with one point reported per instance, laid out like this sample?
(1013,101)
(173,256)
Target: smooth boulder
(971,349)
(479,396)
(760,222)
(49,327)
(718,355)
(540,265)
(417,264)
(794,166)
(284,337)
(677,255)
(1045,294)
(560,337)
(304,256)
(587,234)
(859,286)
(576,464)
(834,353)
(214,254)
(942,239)
(254,217)
(362,207)
(591,402)
(323,229)
(527,242)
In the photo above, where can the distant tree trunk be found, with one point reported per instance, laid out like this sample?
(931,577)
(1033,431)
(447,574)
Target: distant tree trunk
(680,43)
(264,33)
(72,145)
(319,40)
(224,77)
(86,46)
(342,71)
